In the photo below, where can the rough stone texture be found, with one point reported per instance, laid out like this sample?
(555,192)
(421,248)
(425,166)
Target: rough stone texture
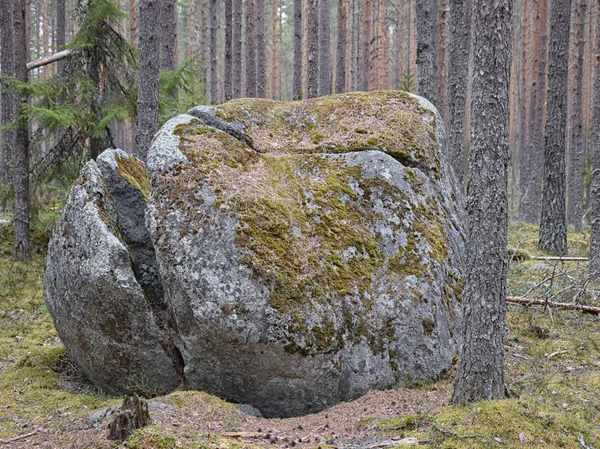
(98,306)
(308,252)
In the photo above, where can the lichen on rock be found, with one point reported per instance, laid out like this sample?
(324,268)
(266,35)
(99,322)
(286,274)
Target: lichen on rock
(307,251)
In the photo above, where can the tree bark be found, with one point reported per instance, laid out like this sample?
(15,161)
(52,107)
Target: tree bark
(366,42)
(575,169)
(132,23)
(274,38)
(191,25)
(481,368)
(426,50)
(8,100)
(342,31)
(531,180)
(251,87)
(237,49)
(297,80)
(312,88)
(21,247)
(261,49)
(61,32)
(228,50)
(147,120)
(167,39)
(324,49)
(594,265)
(213,51)
(460,33)
(553,227)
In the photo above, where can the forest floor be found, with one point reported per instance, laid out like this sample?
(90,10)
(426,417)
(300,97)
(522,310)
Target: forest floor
(552,372)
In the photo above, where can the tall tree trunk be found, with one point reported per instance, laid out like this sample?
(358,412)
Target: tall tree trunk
(575,169)
(342,31)
(147,120)
(261,49)
(274,38)
(594,264)
(228,50)
(21,247)
(531,187)
(251,88)
(204,46)
(460,33)
(443,43)
(213,51)
(481,368)
(45,40)
(237,49)
(167,38)
(366,44)
(324,49)
(8,100)
(191,24)
(312,67)
(297,80)
(132,23)
(61,32)
(426,50)
(553,228)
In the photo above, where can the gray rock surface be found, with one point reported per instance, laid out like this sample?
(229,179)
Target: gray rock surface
(302,253)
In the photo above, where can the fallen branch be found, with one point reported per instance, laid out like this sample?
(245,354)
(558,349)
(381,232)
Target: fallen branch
(561,258)
(48,59)
(19,437)
(244,434)
(582,442)
(556,305)
(463,437)
(554,354)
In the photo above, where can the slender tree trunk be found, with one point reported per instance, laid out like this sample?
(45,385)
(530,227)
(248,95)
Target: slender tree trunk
(213,51)
(251,87)
(366,42)
(553,228)
(575,170)
(61,32)
(237,49)
(297,80)
(228,50)
(460,33)
(132,23)
(313,50)
(274,38)
(191,24)
(594,264)
(147,120)
(531,189)
(481,368)
(261,49)
(204,45)
(342,31)
(443,44)
(22,250)
(426,50)
(324,49)
(45,41)
(8,100)
(167,39)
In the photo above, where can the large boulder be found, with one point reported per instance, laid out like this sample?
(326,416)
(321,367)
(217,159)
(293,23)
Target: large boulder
(293,255)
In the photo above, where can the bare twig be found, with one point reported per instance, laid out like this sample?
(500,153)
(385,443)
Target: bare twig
(19,437)
(554,354)
(463,437)
(557,305)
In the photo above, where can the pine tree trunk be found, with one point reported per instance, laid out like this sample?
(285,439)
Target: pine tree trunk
(22,249)
(191,28)
(8,100)
(228,50)
(132,24)
(251,88)
(274,38)
(45,41)
(213,51)
(366,41)
(297,80)
(575,169)
(261,50)
(460,33)
(237,49)
(204,44)
(147,120)
(342,31)
(426,50)
(594,264)
(167,39)
(553,228)
(442,58)
(481,368)
(312,67)
(324,49)
(61,32)
(531,186)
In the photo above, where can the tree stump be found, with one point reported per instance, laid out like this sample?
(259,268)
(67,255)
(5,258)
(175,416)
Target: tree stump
(133,415)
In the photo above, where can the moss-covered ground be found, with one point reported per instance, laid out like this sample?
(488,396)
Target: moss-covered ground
(552,372)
